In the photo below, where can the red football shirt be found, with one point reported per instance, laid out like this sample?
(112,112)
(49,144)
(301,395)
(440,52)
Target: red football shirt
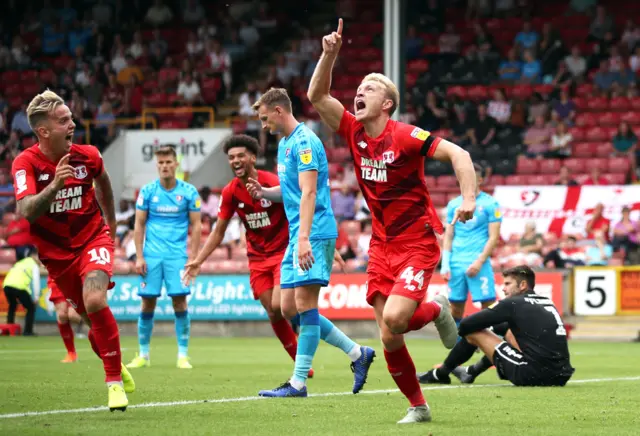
(74,217)
(390,172)
(266,223)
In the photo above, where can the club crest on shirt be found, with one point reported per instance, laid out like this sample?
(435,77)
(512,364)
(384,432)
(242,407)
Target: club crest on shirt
(388,157)
(179,198)
(80,172)
(265,203)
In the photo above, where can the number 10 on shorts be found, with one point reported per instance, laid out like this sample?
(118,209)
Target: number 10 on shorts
(100,256)
(411,279)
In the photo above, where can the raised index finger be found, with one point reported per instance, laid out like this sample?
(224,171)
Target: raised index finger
(65,159)
(339,26)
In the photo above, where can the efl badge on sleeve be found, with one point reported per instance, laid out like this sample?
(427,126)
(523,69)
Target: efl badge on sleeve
(305,156)
(21,180)
(420,134)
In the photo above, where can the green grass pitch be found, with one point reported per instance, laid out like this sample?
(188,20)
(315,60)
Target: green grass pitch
(228,372)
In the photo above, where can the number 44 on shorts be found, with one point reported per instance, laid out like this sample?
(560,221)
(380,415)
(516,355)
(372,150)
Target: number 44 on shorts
(409,277)
(100,256)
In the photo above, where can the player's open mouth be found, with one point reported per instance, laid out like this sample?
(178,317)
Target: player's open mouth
(360,105)
(69,137)
(238,170)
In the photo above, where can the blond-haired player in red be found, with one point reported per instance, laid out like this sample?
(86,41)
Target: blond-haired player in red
(54,186)
(389,159)
(65,315)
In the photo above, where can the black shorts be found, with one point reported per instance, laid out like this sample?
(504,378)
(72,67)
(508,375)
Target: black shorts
(513,366)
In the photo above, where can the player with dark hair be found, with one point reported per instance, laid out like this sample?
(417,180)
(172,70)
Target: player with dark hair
(61,189)
(389,157)
(534,350)
(267,235)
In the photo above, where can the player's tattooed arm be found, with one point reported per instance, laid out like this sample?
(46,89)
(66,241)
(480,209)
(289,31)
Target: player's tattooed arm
(33,206)
(104,193)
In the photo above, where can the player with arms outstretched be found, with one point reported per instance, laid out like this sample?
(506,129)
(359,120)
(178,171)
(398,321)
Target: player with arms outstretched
(466,259)
(54,188)
(65,314)
(389,159)
(303,172)
(165,209)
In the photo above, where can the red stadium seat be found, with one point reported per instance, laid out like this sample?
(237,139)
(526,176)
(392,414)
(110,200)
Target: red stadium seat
(527,166)
(631,117)
(604,150)
(616,178)
(521,92)
(496,180)
(447,181)
(608,119)
(540,179)
(430,181)
(600,162)
(578,133)
(477,93)
(10,77)
(550,166)
(581,103)
(598,104)
(620,165)
(575,165)
(439,199)
(597,134)
(458,91)
(619,104)
(585,90)
(7,256)
(515,179)
(635,103)
(586,119)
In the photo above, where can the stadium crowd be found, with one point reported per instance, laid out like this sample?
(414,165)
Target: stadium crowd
(552,100)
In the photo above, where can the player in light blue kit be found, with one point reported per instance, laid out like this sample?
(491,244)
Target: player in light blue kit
(466,262)
(164,210)
(304,189)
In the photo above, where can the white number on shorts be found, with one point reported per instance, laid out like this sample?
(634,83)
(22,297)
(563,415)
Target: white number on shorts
(408,276)
(100,256)
(560,331)
(484,286)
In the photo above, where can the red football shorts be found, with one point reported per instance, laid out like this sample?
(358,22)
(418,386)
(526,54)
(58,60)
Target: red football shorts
(69,275)
(401,268)
(264,274)
(55,296)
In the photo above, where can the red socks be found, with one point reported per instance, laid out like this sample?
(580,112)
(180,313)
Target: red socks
(424,314)
(286,335)
(403,371)
(66,333)
(105,341)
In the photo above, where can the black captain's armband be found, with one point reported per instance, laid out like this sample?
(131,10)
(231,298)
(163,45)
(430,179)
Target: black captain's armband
(426,146)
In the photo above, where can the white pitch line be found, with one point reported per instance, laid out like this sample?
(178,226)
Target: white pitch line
(326,394)
(48,350)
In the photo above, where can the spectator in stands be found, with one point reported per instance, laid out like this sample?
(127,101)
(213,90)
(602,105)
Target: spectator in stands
(626,233)
(625,143)
(343,202)
(193,12)
(511,68)
(20,123)
(564,107)
(604,78)
(131,69)
(537,138)
(7,202)
(18,235)
(483,129)
(527,38)
(460,130)
(206,30)
(210,203)
(449,41)
(118,60)
(562,78)
(264,21)
(137,47)
(595,177)
(550,48)
(194,46)
(581,6)
(220,63)
(362,247)
(414,44)
(566,256)
(123,219)
(189,90)
(598,222)
(102,14)
(560,142)
(285,71)
(158,14)
(531,245)
(432,115)
(499,108)
(601,24)
(538,107)
(531,68)
(105,125)
(564,178)
(11,148)
(631,35)
(248,34)
(634,61)
(600,252)
(245,110)
(361,208)
(576,63)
